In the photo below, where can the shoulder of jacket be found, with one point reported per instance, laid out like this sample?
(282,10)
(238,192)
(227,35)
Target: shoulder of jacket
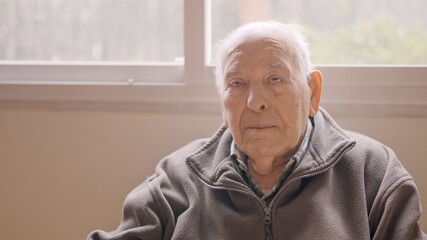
(369,148)
(378,161)
(377,158)
(174,164)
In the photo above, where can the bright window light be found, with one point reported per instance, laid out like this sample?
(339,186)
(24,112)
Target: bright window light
(91,30)
(340,31)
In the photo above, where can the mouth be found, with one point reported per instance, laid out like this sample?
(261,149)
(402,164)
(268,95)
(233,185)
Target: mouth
(259,126)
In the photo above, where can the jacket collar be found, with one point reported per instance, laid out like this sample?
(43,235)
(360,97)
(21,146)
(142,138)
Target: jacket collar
(212,162)
(329,143)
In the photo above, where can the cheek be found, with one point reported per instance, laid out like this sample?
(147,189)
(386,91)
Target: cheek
(300,99)
(224,112)
(293,110)
(232,113)
(301,110)
(230,108)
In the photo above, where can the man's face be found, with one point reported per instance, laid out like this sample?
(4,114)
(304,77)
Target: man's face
(265,101)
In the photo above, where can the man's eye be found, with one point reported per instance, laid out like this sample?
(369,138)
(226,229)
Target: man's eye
(236,83)
(276,79)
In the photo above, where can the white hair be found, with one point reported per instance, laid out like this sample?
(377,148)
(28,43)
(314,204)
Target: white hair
(288,36)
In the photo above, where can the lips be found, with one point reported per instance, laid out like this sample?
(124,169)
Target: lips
(260,126)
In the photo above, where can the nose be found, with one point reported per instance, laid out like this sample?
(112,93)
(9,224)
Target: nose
(256,100)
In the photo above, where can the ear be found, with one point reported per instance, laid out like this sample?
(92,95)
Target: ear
(315,84)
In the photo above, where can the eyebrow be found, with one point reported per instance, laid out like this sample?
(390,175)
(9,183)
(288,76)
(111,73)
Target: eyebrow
(231,69)
(282,65)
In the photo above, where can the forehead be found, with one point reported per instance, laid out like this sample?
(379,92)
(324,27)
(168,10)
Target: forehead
(264,52)
(255,44)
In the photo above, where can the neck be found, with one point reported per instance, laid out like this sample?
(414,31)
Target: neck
(265,167)
(266,173)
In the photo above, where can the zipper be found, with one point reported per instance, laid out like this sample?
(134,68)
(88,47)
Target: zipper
(267,221)
(306,176)
(268,208)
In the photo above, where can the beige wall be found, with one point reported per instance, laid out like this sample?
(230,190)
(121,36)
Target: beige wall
(64,173)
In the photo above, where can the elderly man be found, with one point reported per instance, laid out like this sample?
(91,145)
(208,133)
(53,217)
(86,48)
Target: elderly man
(279,167)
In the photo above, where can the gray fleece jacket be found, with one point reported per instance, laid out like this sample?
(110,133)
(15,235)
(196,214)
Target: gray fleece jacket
(347,186)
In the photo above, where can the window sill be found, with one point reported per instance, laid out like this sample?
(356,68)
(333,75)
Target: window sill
(348,91)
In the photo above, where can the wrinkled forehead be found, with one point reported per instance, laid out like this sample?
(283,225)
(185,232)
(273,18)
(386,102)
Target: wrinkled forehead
(251,48)
(252,42)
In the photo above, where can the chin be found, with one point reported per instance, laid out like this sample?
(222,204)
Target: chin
(262,150)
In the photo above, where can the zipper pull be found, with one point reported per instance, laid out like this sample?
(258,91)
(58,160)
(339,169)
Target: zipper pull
(267,223)
(267,215)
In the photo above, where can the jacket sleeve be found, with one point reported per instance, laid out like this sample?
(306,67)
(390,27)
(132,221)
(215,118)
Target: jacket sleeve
(145,217)
(400,211)
(397,206)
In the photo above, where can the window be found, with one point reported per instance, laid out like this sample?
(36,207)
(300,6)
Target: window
(182,79)
(91,41)
(340,31)
(91,31)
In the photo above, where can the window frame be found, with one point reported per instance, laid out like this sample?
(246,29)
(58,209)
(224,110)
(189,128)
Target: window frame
(363,90)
